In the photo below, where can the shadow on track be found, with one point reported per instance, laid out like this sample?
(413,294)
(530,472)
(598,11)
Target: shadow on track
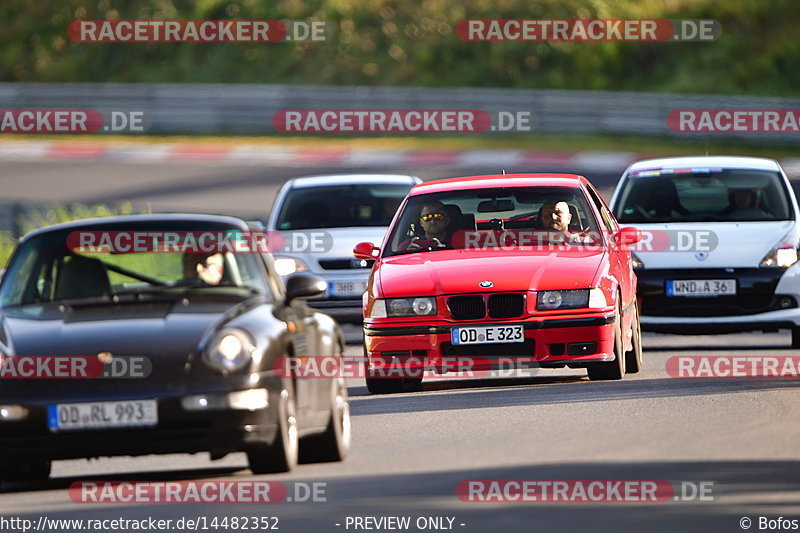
(483,393)
(724,349)
(176,475)
(741,488)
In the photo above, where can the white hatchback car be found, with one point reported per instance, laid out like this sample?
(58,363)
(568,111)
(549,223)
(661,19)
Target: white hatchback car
(322,218)
(720,244)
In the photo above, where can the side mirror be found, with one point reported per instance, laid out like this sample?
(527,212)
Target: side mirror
(303,285)
(366,250)
(628,235)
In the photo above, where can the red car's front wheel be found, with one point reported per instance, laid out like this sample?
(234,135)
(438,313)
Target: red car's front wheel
(612,369)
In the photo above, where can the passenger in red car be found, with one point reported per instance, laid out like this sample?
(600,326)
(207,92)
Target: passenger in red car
(557,216)
(435,221)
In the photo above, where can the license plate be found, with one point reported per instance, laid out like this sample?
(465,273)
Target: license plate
(348,288)
(487,335)
(701,287)
(102,415)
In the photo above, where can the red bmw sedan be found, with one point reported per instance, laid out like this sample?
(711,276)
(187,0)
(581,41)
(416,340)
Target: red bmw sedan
(528,269)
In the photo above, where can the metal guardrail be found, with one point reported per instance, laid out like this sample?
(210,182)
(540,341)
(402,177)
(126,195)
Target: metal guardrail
(248,109)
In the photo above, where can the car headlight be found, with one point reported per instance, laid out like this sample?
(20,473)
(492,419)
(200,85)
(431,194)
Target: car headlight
(289,265)
(230,350)
(570,299)
(397,307)
(783,255)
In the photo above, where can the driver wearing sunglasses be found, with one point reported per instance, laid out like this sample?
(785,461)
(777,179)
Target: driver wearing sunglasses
(434,221)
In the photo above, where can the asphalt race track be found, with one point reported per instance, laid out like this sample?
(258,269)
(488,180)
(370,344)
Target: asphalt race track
(410,451)
(204,186)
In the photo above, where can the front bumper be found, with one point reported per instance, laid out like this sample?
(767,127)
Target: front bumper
(574,341)
(179,430)
(763,301)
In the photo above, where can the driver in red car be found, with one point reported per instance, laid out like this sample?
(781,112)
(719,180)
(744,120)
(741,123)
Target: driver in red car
(435,221)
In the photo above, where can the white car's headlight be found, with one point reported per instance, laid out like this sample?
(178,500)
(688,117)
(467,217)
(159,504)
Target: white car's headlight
(782,255)
(398,307)
(289,265)
(570,299)
(230,350)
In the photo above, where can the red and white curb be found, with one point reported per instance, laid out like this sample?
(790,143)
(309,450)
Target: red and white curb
(322,155)
(303,155)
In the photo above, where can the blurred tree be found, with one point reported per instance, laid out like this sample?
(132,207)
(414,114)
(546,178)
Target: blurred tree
(394,42)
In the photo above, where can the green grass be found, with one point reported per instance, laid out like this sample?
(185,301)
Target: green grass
(401,43)
(55,214)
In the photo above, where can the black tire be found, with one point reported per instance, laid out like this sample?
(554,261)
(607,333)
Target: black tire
(379,385)
(25,470)
(796,337)
(334,443)
(281,455)
(633,358)
(611,369)
(412,384)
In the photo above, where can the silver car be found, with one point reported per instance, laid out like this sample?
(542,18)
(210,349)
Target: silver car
(321,219)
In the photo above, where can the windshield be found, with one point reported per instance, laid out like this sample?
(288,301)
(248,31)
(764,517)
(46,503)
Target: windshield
(341,206)
(491,218)
(707,195)
(45,270)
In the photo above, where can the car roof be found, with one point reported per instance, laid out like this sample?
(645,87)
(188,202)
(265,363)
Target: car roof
(135,219)
(358,179)
(717,161)
(498,180)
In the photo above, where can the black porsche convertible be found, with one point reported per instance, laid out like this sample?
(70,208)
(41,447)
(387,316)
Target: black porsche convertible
(205,342)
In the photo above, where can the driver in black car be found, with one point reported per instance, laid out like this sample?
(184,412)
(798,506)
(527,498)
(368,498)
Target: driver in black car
(203,269)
